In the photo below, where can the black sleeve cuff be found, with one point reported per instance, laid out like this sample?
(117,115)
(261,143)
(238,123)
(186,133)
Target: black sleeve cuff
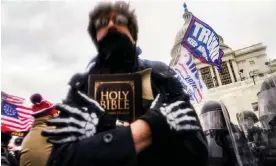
(106,123)
(158,125)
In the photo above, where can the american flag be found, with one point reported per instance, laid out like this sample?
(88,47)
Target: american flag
(14,115)
(12,99)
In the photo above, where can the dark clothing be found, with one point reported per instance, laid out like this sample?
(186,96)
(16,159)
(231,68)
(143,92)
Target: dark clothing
(256,134)
(7,159)
(270,155)
(173,148)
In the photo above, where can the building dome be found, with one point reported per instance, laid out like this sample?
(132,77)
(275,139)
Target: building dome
(187,16)
(222,45)
(177,42)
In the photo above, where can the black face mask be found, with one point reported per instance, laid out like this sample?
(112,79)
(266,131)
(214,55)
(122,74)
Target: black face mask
(117,53)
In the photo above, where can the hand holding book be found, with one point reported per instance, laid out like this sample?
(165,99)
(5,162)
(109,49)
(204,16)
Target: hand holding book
(81,123)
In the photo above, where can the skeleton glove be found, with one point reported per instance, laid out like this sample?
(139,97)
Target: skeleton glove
(80,123)
(180,116)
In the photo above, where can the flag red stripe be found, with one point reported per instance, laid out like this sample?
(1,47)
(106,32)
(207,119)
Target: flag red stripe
(25,108)
(12,129)
(14,101)
(15,97)
(24,112)
(182,66)
(18,128)
(11,122)
(21,121)
(23,116)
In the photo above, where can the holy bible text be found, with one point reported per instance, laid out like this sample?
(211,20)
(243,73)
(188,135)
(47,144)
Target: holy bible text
(119,94)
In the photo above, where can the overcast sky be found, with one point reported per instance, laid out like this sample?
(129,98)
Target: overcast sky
(45,42)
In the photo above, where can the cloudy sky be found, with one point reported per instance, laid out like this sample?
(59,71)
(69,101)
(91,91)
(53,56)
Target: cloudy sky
(45,42)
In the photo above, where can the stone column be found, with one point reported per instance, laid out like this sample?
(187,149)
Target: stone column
(199,74)
(218,77)
(212,72)
(212,75)
(230,71)
(236,70)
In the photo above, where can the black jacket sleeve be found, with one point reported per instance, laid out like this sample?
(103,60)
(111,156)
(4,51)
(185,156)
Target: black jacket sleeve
(106,148)
(190,146)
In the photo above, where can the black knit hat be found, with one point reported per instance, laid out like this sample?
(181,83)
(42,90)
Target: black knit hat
(107,7)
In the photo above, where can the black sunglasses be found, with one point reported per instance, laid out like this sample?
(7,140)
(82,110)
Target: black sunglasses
(117,20)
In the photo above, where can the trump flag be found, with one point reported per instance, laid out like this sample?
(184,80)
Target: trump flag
(203,43)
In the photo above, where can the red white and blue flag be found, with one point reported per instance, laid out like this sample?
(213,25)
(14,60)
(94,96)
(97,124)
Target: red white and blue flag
(203,43)
(14,115)
(187,74)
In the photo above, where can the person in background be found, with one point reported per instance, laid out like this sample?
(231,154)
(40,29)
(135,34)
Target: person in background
(7,159)
(35,149)
(267,117)
(15,146)
(223,139)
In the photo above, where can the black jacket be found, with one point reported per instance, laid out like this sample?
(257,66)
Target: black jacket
(190,147)
(7,159)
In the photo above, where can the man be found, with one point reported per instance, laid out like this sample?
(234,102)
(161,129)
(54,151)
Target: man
(35,149)
(267,114)
(168,133)
(254,134)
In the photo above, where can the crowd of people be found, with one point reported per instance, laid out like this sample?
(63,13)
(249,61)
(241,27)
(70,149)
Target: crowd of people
(244,143)
(80,132)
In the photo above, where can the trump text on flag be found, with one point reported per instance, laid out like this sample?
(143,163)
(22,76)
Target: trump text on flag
(203,42)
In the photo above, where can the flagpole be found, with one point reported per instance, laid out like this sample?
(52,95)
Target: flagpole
(187,14)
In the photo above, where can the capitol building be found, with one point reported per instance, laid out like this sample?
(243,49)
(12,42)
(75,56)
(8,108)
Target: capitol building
(238,84)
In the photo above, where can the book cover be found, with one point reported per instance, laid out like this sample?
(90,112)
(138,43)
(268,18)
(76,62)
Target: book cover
(119,94)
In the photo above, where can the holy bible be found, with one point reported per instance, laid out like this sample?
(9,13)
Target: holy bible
(119,94)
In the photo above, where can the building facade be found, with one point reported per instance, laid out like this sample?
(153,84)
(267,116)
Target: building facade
(238,84)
